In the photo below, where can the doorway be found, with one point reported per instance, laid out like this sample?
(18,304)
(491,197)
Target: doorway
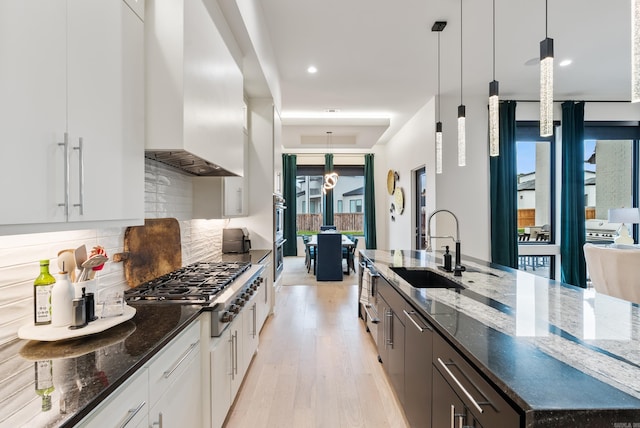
(420,198)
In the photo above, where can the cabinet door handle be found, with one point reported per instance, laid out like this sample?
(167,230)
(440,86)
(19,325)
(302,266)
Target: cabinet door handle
(80,149)
(462,388)
(418,326)
(159,423)
(255,320)
(389,316)
(235,353)
(453,416)
(231,341)
(239,200)
(65,144)
(373,319)
(183,357)
(131,414)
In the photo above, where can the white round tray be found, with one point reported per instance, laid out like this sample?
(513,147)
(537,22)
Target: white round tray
(49,333)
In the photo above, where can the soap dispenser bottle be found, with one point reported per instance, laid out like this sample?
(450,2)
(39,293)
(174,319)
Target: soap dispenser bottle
(447,259)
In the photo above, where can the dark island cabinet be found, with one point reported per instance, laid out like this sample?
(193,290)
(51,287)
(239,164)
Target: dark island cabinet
(462,397)
(391,340)
(418,369)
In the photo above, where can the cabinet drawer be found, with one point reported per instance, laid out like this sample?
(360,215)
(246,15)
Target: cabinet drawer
(392,297)
(171,362)
(480,398)
(126,407)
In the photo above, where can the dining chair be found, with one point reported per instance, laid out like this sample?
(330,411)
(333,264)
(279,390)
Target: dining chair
(328,266)
(309,254)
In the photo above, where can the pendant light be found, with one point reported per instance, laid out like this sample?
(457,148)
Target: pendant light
(546,80)
(494,114)
(462,159)
(331,177)
(438,26)
(635,51)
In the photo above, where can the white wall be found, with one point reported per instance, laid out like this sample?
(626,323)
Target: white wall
(412,148)
(465,190)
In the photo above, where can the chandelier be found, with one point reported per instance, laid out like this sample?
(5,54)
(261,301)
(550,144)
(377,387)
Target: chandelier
(331,177)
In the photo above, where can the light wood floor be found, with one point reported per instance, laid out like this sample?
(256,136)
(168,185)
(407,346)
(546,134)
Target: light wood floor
(316,365)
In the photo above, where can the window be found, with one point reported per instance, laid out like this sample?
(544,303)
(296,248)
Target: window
(611,163)
(349,192)
(535,168)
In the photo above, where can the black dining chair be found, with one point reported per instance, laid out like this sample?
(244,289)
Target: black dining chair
(309,254)
(328,265)
(349,254)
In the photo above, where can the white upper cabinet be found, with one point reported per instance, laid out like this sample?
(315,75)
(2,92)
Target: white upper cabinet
(194,97)
(73,114)
(32,110)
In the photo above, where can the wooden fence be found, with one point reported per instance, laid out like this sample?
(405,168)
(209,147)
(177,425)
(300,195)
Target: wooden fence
(342,221)
(527,216)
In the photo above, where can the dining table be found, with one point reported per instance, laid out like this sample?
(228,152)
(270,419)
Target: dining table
(346,243)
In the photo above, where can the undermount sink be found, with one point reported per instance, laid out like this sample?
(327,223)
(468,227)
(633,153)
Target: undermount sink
(423,278)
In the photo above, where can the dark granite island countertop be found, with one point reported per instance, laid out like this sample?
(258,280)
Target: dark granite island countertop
(566,356)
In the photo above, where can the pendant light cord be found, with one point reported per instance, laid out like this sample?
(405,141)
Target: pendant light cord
(438,76)
(494,39)
(460,52)
(546,19)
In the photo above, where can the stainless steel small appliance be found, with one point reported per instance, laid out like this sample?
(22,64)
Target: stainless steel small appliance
(235,240)
(278,234)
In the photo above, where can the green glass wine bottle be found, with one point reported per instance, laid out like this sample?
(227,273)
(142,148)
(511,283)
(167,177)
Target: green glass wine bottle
(44,382)
(42,295)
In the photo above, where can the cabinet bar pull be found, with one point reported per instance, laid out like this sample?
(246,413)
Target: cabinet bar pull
(453,416)
(65,144)
(159,423)
(234,363)
(80,149)
(255,321)
(390,337)
(131,414)
(464,391)
(414,321)
(231,355)
(186,353)
(373,319)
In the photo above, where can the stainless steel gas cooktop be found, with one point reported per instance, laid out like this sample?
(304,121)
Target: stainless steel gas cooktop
(196,283)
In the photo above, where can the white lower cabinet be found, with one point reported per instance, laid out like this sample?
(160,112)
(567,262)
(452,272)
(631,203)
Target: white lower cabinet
(175,381)
(164,393)
(231,354)
(126,407)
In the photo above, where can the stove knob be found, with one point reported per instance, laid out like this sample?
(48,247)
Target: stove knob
(227,317)
(255,286)
(240,303)
(235,309)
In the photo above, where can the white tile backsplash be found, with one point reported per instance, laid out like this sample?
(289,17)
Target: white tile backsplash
(168,193)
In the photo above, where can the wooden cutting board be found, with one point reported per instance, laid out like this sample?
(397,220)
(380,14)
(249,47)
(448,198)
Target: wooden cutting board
(153,250)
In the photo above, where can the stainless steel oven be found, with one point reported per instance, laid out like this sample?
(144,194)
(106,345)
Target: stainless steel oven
(278,235)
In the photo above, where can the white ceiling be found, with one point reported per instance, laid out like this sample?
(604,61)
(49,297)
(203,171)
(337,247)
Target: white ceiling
(379,58)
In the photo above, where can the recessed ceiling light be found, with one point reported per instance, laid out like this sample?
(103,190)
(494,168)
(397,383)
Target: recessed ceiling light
(332,110)
(312,69)
(565,62)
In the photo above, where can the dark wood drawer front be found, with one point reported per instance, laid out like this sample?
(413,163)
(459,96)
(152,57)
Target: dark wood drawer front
(393,298)
(479,397)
